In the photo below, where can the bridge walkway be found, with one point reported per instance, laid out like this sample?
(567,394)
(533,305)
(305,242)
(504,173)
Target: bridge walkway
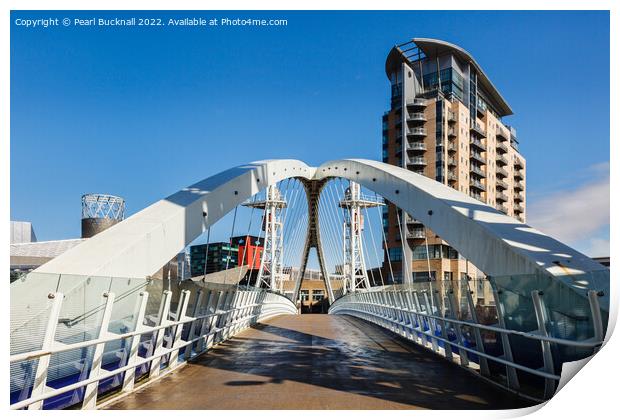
(319,362)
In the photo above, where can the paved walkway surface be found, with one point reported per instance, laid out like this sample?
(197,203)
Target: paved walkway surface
(319,362)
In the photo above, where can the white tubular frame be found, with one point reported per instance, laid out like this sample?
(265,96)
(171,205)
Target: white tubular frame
(221,322)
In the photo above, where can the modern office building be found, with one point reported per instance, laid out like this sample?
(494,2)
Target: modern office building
(250,250)
(446,122)
(213,257)
(244,250)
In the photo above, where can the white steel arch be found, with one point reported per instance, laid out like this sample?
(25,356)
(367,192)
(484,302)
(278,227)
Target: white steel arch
(497,244)
(494,242)
(144,242)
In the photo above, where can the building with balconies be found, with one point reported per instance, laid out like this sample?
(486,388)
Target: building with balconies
(449,114)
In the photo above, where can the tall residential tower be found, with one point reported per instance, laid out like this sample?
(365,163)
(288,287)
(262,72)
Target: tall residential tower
(445,122)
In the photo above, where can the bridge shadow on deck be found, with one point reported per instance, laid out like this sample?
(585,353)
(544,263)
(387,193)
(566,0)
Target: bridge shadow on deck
(319,362)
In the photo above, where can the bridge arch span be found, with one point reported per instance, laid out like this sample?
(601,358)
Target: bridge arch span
(497,244)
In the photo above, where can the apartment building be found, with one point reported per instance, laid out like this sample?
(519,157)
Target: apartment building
(445,122)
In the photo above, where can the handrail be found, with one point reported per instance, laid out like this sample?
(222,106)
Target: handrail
(225,322)
(560,341)
(402,312)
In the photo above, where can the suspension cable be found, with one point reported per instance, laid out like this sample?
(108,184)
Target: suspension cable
(387,249)
(232,233)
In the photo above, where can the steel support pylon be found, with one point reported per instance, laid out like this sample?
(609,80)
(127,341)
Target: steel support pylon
(270,271)
(354,263)
(313,237)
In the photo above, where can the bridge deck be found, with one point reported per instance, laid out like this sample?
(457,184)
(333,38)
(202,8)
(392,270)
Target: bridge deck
(319,362)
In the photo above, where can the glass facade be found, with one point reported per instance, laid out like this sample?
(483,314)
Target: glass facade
(451,83)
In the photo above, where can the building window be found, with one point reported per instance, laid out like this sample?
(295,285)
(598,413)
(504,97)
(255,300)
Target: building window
(304,295)
(395,254)
(423,276)
(318,295)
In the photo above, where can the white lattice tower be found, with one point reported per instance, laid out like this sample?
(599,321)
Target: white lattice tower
(354,265)
(270,272)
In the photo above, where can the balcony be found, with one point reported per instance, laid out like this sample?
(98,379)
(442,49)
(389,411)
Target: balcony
(501,197)
(452,147)
(411,221)
(417,103)
(416,116)
(451,161)
(417,131)
(519,175)
(416,234)
(477,170)
(452,176)
(518,198)
(476,128)
(477,156)
(417,160)
(501,147)
(501,171)
(501,185)
(452,132)
(476,196)
(451,116)
(416,145)
(501,159)
(501,135)
(477,184)
(519,186)
(519,163)
(518,208)
(478,144)
(501,208)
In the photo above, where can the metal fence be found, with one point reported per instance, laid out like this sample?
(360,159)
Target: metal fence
(516,337)
(98,336)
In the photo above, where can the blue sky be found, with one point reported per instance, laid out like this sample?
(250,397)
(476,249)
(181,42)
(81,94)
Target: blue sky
(142,112)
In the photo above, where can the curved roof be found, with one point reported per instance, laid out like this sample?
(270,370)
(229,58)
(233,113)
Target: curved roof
(436,47)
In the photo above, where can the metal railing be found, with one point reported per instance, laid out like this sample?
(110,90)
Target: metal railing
(175,338)
(449,323)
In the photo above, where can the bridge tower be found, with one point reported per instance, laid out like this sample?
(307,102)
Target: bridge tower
(270,271)
(354,265)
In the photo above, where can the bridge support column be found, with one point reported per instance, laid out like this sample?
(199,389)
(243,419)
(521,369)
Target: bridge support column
(313,238)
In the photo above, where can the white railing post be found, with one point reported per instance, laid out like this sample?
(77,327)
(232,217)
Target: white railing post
(134,343)
(40,378)
(511,372)
(418,318)
(158,336)
(90,394)
(177,331)
(597,320)
(192,327)
(431,323)
(482,361)
(541,320)
(457,329)
(213,321)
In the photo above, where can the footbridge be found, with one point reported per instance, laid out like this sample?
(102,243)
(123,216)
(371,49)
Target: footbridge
(95,328)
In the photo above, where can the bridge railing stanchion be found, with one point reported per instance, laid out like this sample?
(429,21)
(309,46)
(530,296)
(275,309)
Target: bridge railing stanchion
(597,319)
(511,372)
(421,319)
(193,325)
(541,320)
(431,323)
(134,342)
(464,359)
(177,331)
(40,378)
(482,361)
(158,336)
(90,393)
